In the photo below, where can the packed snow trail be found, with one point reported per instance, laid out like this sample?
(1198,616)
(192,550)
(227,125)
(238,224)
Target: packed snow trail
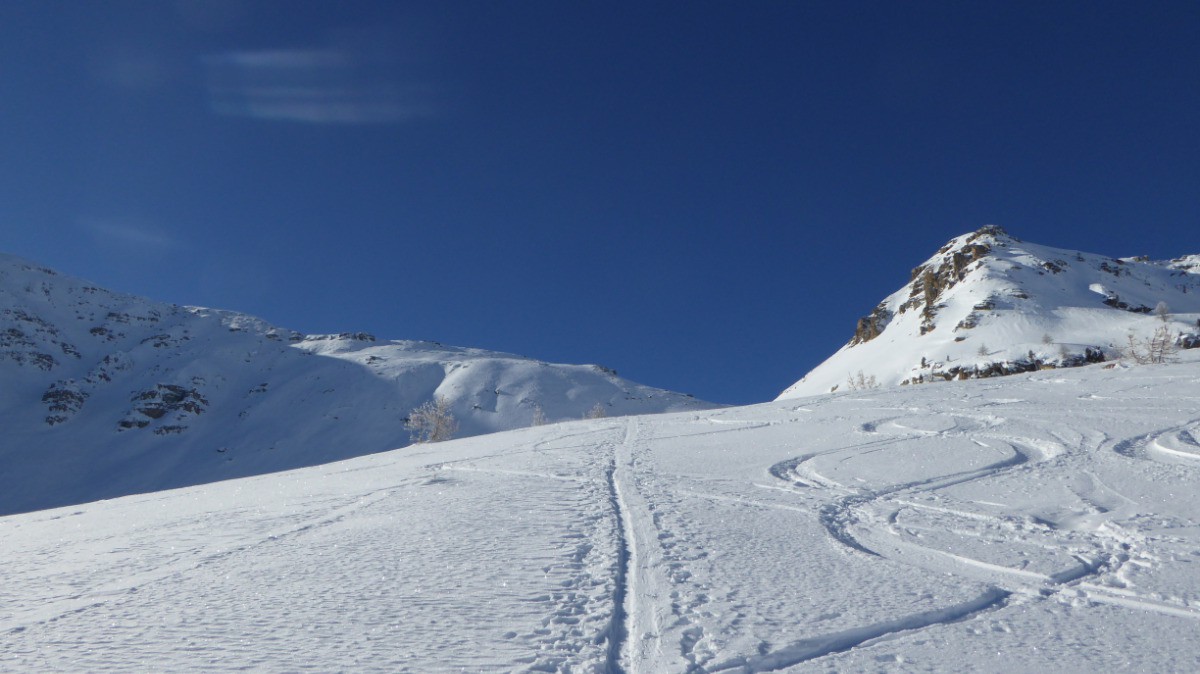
(1047,517)
(618,631)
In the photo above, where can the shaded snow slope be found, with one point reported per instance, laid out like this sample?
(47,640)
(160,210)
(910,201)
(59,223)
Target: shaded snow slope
(988,304)
(1048,517)
(106,394)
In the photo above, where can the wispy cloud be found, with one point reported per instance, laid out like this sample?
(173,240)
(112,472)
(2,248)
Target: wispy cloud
(128,231)
(321,86)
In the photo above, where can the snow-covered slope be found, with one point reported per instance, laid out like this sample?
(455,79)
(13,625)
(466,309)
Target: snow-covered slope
(104,394)
(1033,523)
(989,304)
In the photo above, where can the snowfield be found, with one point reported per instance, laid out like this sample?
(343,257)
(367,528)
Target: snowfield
(1039,522)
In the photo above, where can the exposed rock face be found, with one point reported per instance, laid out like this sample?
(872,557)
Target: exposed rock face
(872,325)
(930,280)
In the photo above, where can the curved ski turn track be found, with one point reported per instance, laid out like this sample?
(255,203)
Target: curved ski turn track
(1050,519)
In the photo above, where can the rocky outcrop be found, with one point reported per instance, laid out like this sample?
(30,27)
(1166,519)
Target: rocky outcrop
(351,336)
(27,339)
(160,401)
(928,282)
(1003,368)
(872,325)
(63,399)
(1116,303)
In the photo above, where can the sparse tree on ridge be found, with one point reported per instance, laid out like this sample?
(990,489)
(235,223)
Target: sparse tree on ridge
(597,412)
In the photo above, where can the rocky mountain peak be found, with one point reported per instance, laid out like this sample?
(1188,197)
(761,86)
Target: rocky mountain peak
(929,280)
(988,303)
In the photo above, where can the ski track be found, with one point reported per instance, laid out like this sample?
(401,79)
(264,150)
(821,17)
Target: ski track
(828,644)
(638,642)
(838,516)
(656,616)
(664,629)
(841,517)
(617,632)
(1178,445)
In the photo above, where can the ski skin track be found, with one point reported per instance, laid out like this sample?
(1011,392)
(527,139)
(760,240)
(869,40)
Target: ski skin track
(642,649)
(626,650)
(618,629)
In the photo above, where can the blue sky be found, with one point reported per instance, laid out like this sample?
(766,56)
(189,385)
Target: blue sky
(704,196)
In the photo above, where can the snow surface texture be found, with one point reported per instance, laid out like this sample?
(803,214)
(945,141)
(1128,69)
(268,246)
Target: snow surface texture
(988,304)
(107,394)
(1039,522)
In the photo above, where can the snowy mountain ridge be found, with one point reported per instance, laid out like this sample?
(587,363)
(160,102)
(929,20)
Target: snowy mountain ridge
(108,394)
(989,304)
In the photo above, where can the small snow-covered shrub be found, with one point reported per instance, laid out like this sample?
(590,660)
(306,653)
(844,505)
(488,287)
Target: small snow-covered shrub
(539,416)
(1161,347)
(1162,311)
(861,382)
(432,422)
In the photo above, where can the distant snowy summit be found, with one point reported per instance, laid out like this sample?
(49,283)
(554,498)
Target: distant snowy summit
(104,394)
(989,304)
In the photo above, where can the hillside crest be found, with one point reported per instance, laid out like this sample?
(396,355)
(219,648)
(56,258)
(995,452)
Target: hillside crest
(108,394)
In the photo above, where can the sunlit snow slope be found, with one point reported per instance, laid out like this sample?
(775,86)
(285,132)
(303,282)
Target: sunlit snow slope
(989,304)
(1032,523)
(104,394)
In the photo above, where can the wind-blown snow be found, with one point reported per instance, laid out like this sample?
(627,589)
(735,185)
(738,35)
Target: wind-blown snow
(1039,522)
